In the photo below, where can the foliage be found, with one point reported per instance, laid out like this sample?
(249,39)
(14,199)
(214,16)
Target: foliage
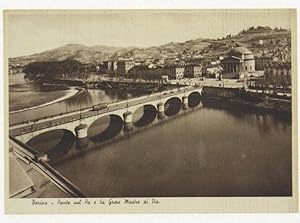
(52,69)
(143,72)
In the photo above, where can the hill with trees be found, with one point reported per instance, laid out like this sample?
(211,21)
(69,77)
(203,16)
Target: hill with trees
(260,40)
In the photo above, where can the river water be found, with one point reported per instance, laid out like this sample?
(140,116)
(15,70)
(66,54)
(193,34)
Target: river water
(216,150)
(23,95)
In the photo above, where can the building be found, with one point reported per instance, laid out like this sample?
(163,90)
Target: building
(115,65)
(109,66)
(192,71)
(206,63)
(165,79)
(161,61)
(262,62)
(139,62)
(15,69)
(278,71)
(175,72)
(238,63)
(123,66)
(213,72)
(193,60)
(170,60)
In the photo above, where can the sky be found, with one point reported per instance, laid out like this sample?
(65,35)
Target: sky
(28,32)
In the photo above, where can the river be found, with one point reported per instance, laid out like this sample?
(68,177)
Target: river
(23,95)
(216,150)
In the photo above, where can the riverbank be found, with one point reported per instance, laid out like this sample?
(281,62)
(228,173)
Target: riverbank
(40,100)
(266,105)
(258,101)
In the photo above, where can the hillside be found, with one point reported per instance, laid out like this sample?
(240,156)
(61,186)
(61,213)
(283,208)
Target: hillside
(82,53)
(260,40)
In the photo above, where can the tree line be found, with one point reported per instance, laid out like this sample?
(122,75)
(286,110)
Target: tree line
(53,69)
(274,83)
(143,72)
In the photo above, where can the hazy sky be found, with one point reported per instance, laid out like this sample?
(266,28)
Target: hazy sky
(34,32)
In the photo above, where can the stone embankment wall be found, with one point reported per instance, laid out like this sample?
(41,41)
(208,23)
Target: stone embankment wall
(221,92)
(256,101)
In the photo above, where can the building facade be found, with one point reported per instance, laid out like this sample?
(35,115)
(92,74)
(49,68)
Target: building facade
(238,63)
(175,72)
(262,62)
(192,71)
(278,71)
(124,66)
(108,66)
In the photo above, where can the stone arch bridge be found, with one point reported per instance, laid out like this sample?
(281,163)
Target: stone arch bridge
(79,122)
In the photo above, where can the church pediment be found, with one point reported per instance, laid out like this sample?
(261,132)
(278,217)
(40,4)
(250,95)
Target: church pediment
(232,59)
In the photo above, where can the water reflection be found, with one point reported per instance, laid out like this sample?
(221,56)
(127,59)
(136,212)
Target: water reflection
(173,106)
(218,149)
(148,114)
(255,118)
(105,128)
(54,143)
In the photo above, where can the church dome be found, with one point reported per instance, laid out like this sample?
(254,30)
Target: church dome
(240,50)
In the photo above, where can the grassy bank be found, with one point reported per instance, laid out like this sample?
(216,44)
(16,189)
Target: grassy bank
(31,99)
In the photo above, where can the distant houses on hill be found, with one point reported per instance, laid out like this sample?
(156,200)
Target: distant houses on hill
(153,69)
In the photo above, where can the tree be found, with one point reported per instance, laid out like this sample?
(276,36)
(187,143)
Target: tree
(284,83)
(273,80)
(52,69)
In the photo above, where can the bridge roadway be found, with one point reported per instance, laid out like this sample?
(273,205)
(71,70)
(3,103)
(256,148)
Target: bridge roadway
(78,122)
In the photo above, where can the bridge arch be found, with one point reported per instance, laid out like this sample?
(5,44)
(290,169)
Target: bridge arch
(105,128)
(54,143)
(172,106)
(144,115)
(194,99)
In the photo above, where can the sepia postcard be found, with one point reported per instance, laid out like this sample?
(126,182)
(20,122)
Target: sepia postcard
(150,111)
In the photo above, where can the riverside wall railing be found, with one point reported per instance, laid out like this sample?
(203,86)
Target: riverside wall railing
(33,157)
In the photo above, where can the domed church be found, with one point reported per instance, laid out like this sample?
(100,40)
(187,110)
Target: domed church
(238,63)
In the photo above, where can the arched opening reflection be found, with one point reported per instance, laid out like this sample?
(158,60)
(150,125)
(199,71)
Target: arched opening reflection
(105,128)
(54,143)
(194,99)
(173,106)
(144,115)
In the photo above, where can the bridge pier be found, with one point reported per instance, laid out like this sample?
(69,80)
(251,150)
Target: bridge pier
(82,143)
(128,121)
(185,102)
(81,131)
(161,110)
